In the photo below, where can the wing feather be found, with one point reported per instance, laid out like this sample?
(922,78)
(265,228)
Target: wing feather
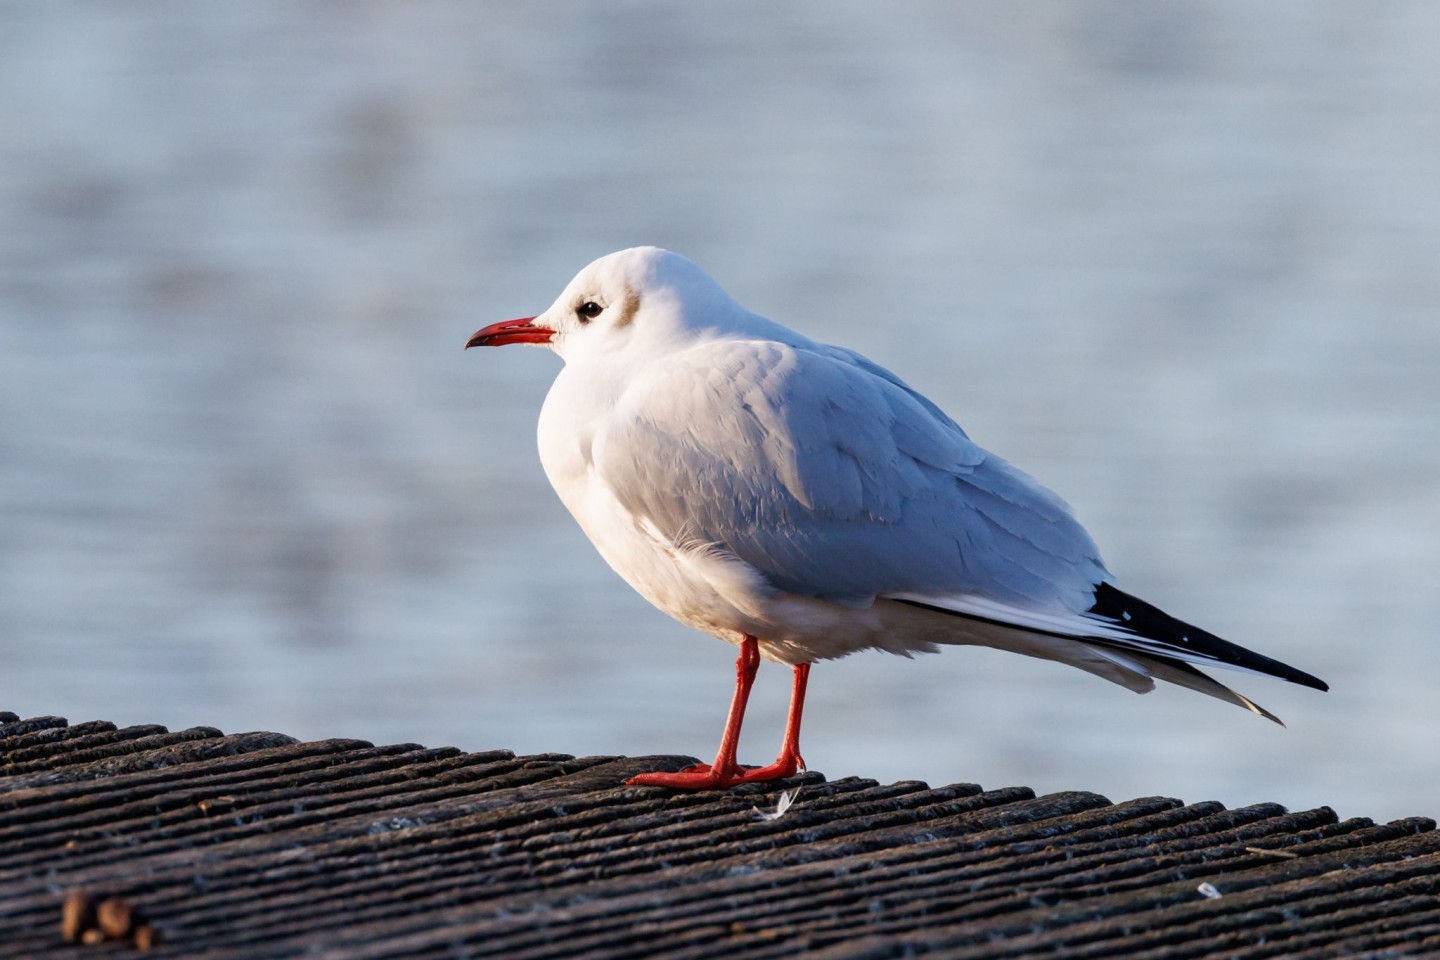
(835,480)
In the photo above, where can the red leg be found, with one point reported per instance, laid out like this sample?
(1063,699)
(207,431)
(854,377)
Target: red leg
(789,762)
(724,772)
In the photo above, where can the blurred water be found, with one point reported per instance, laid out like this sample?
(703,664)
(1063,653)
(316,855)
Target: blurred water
(1177,260)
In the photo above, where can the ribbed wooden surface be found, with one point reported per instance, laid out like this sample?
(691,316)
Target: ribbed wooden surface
(254,845)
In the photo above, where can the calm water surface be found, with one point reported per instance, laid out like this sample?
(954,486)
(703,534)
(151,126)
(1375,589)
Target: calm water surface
(1177,260)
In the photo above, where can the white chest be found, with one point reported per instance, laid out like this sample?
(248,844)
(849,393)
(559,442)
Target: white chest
(701,588)
(701,585)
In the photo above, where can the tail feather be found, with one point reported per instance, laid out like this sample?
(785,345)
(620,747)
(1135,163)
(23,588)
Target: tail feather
(1120,638)
(1181,673)
(1174,639)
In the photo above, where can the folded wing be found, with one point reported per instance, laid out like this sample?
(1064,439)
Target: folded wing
(835,480)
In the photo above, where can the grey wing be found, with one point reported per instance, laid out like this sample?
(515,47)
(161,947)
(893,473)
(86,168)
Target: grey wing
(835,480)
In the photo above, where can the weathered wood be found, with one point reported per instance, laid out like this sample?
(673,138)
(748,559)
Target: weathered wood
(255,845)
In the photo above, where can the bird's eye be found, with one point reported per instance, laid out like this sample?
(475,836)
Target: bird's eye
(589,310)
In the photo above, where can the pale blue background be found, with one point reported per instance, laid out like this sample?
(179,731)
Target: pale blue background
(1179,260)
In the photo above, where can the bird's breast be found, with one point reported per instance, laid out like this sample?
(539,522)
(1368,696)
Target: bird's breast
(701,584)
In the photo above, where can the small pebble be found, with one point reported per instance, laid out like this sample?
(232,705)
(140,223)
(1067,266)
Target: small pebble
(77,914)
(114,917)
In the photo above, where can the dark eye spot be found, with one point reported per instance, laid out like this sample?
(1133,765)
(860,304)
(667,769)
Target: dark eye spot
(589,310)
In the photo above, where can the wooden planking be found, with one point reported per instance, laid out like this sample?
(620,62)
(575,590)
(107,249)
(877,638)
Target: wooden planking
(255,845)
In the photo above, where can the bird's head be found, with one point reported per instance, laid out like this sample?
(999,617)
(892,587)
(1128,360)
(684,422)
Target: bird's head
(641,299)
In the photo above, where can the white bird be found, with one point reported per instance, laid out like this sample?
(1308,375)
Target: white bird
(804,503)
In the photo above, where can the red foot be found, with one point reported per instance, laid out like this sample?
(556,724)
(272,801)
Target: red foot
(701,776)
(698,777)
(779,770)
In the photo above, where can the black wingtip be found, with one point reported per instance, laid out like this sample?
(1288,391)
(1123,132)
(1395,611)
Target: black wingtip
(1153,623)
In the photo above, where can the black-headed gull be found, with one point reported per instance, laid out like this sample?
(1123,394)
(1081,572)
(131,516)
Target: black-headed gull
(803,503)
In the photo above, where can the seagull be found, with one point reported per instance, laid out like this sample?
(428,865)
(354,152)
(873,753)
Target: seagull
(804,503)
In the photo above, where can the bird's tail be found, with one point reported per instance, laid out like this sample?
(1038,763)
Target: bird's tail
(1120,638)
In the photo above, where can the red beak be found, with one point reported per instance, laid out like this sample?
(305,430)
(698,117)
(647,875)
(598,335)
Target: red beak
(522,330)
